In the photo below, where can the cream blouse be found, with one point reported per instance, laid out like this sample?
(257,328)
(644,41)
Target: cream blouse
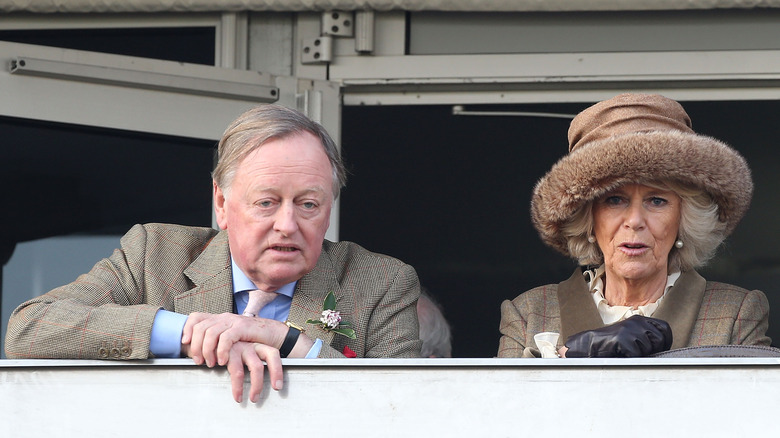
(612,314)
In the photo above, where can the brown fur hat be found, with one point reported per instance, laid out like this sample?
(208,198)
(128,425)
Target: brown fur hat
(637,138)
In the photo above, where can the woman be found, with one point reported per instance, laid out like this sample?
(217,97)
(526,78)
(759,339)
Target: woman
(640,201)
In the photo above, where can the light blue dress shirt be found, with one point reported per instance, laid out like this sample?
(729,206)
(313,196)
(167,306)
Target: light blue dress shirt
(168,326)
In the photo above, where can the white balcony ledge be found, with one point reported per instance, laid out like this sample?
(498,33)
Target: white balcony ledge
(396,397)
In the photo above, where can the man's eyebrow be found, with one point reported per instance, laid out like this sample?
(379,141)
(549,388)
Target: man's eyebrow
(309,191)
(260,189)
(274,189)
(313,189)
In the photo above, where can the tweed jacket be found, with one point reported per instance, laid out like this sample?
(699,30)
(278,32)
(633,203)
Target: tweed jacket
(108,312)
(700,313)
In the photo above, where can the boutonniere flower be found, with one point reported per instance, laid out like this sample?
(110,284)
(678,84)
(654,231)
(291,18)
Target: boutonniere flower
(331,319)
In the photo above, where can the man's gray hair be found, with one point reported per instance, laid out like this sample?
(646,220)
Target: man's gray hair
(434,329)
(264,123)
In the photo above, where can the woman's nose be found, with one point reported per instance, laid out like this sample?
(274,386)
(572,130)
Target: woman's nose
(635,216)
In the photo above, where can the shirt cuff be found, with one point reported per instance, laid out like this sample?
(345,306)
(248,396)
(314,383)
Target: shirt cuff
(166,334)
(314,351)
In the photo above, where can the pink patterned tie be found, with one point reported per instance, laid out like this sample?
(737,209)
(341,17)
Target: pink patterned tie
(257,300)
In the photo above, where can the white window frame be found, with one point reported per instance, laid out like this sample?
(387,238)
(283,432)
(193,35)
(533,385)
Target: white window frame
(388,76)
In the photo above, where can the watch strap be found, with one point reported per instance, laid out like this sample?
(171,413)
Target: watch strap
(289,341)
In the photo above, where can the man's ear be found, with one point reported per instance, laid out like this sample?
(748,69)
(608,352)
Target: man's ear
(220,212)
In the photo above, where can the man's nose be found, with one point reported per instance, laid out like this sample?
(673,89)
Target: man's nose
(286,221)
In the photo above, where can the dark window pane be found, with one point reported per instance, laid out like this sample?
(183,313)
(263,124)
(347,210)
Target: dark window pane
(194,45)
(64,179)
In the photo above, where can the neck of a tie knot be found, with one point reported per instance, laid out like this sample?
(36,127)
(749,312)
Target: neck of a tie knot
(257,300)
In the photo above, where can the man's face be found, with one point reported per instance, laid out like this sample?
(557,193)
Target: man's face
(277,210)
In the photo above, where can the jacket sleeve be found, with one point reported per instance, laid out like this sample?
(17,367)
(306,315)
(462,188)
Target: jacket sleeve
(100,315)
(394,328)
(513,329)
(752,320)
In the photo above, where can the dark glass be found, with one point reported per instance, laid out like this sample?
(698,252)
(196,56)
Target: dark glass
(194,45)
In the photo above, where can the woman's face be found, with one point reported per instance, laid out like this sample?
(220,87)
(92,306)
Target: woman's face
(635,227)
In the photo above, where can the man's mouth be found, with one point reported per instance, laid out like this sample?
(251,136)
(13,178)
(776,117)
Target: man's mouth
(284,248)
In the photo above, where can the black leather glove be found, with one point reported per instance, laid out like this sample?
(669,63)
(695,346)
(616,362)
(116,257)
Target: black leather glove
(637,336)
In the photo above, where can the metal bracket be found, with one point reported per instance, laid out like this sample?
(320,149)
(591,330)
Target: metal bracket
(338,23)
(317,50)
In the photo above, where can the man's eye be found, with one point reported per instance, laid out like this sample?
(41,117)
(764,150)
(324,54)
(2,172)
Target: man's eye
(264,204)
(309,205)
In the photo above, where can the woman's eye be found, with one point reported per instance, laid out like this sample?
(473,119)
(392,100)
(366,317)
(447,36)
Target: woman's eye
(613,200)
(657,202)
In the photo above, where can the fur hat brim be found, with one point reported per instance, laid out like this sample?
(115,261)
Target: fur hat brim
(598,167)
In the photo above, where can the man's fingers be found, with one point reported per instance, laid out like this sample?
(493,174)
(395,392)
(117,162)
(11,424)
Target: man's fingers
(192,319)
(239,330)
(274,362)
(196,340)
(203,335)
(256,370)
(252,356)
(226,341)
(235,367)
(211,337)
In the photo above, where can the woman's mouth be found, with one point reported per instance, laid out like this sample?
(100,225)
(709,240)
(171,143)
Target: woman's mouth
(632,248)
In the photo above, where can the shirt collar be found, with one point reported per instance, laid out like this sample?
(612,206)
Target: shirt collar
(610,314)
(242,283)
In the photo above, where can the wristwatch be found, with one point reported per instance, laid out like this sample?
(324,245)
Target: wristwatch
(293,333)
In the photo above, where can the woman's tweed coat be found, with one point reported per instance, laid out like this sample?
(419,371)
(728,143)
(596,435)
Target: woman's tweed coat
(700,313)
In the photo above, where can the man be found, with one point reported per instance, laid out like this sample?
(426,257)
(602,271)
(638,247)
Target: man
(434,329)
(172,290)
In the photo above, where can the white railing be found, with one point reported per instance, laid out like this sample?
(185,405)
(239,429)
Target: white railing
(396,398)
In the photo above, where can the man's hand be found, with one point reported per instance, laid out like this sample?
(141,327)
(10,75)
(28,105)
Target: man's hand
(637,336)
(252,355)
(210,337)
(238,341)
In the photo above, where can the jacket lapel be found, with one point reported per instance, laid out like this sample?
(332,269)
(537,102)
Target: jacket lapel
(309,295)
(681,305)
(211,275)
(578,311)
